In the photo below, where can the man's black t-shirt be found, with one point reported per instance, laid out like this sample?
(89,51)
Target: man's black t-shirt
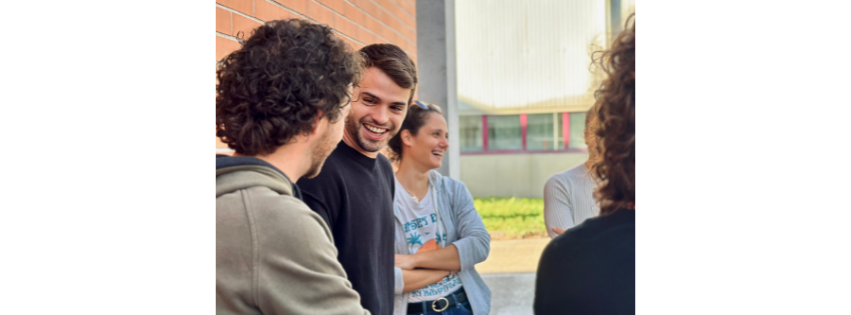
(354,194)
(590,269)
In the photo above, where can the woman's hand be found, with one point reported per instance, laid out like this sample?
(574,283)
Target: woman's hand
(558,230)
(406,262)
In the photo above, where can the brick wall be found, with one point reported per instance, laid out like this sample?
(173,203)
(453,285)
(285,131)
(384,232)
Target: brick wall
(357,22)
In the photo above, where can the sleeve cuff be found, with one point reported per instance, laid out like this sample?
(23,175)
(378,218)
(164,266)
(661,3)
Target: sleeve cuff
(399,286)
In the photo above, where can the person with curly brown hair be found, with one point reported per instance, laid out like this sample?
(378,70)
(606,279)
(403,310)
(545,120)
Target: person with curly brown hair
(281,100)
(354,192)
(590,268)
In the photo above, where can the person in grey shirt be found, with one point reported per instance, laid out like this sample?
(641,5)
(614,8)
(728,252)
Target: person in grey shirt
(569,195)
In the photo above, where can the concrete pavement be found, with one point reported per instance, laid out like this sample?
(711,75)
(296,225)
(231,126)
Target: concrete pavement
(509,272)
(511,293)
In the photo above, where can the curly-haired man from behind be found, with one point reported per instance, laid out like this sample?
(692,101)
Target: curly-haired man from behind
(590,268)
(280,104)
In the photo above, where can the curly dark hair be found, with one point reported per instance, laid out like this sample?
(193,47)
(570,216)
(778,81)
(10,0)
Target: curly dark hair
(279,82)
(414,120)
(615,111)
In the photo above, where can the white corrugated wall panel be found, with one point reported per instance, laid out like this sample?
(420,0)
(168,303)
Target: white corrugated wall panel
(528,56)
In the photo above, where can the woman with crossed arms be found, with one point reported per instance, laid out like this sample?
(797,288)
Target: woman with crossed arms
(439,235)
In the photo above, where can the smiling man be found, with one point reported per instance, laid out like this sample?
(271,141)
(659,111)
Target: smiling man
(354,192)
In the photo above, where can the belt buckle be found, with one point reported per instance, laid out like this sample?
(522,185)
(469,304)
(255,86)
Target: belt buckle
(442,309)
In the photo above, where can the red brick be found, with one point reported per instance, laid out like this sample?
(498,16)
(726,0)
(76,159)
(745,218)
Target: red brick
(394,24)
(411,47)
(387,33)
(408,20)
(353,13)
(412,10)
(345,26)
(382,3)
(223,22)
(367,6)
(299,6)
(224,47)
(244,25)
(357,46)
(336,5)
(366,37)
(409,34)
(383,17)
(398,13)
(244,6)
(267,11)
(320,13)
(372,24)
(401,41)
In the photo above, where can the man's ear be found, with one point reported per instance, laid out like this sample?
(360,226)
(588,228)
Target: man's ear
(316,122)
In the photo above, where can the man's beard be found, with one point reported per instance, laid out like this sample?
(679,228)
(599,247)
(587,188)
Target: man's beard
(321,152)
(354,129)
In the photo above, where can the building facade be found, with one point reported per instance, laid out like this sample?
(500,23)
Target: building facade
(516,76)
(525,81)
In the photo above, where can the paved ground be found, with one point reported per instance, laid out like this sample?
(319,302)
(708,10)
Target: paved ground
(513,256)
(509,272)
(511,293)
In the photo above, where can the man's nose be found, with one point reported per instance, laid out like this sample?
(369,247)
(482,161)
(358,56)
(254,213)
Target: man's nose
(380,115)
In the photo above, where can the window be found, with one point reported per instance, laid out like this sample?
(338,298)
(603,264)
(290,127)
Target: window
(540,132)
(577,131)
(471,133)
(527,132)
(505,133)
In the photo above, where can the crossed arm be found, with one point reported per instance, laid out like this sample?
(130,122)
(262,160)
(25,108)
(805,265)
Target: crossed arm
(422,269)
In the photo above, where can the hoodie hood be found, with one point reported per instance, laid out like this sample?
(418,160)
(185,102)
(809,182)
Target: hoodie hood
(240,172)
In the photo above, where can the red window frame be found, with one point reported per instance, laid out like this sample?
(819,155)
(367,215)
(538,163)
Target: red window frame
(565,132)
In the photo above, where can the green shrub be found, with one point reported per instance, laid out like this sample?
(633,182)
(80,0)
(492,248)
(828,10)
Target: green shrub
(512,218)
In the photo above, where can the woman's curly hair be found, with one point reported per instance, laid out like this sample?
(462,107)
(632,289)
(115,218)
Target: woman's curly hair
(615,111)
(276,86)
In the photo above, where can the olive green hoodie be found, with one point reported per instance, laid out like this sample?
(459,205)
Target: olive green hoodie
(273,254)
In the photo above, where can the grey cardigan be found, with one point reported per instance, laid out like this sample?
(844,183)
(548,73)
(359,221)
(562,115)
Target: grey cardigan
(464,229)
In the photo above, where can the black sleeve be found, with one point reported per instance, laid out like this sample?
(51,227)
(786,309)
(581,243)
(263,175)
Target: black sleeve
(321,194)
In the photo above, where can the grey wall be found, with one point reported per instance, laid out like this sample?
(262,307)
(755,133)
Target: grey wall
(514,175)
(436,69)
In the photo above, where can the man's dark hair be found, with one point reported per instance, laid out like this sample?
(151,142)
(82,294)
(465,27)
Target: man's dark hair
(275,87)
(394,62)
(414,120)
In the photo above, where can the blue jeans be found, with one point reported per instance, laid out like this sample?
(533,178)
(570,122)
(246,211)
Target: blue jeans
(457,309)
